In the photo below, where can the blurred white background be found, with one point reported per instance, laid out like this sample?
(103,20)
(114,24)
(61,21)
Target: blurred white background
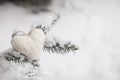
(92,24)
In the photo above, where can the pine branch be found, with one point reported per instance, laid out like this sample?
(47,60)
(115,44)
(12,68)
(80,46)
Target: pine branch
(56,46)
(14,57)
(47,28)
(17,58)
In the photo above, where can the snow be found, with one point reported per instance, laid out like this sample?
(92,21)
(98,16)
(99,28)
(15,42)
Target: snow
(93,25)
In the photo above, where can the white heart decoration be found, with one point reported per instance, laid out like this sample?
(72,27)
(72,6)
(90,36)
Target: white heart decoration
(30,45)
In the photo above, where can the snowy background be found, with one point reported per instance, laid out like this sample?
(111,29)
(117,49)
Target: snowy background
(92,24)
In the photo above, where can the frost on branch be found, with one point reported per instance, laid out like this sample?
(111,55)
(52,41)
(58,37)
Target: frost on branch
(15,57)
(57,46)
(47,28)
(15,66)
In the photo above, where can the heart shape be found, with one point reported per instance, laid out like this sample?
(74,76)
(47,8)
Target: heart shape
(30,45)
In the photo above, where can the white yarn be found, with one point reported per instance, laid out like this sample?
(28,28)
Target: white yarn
(30,45)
